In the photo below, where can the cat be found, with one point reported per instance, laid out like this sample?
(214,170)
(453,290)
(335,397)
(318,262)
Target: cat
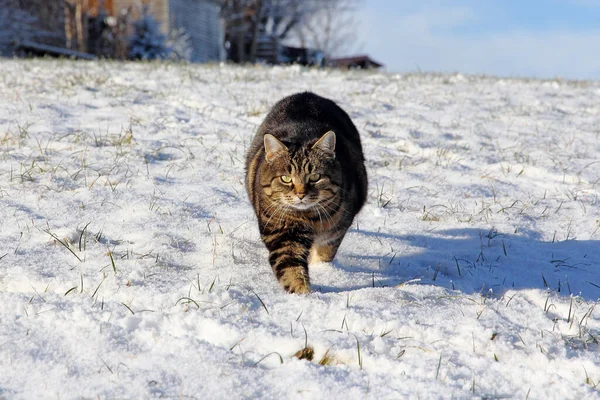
(305,177)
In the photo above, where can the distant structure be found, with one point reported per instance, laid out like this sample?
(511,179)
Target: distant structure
(357,62)
(196,31)
(302,55)
(270,50)
(22,20)
(78,27)
(200,19)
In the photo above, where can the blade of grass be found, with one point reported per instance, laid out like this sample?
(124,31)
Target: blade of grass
(83,232)
(129,308)
(100,284)
(70,290)
(189,300)
(112,261)
(437,371)
(66,246)
(280,358)
(261,302)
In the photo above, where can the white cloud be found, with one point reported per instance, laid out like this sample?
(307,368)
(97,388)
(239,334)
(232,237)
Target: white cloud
(426,39)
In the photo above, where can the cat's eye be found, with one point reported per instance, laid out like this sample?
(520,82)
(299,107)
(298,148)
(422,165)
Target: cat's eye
(314,177)
(285,178)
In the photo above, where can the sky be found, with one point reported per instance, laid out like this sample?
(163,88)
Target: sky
(533,38)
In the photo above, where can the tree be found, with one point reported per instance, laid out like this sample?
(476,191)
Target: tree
(147,41)
(248,20)
(180,44)
(332,28)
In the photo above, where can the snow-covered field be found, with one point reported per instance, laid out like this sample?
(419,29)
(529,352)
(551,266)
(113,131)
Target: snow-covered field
(131,265)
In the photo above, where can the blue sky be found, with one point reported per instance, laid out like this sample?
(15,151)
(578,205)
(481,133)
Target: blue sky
(532,38)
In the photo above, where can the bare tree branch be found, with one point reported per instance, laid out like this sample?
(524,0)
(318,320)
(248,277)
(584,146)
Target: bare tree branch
(332,28)
(324,24)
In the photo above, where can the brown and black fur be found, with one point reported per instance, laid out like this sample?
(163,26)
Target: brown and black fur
(311,138)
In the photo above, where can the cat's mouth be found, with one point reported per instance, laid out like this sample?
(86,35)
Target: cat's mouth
(303,204)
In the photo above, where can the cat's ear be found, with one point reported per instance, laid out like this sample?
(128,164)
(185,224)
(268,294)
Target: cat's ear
(326,143)
(273,147)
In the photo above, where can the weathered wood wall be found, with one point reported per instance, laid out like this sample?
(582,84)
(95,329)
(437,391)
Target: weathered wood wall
(200,19)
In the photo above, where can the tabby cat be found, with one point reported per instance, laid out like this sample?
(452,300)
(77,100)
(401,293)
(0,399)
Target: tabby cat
(306,179)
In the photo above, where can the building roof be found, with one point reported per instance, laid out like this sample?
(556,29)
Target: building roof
(363,61)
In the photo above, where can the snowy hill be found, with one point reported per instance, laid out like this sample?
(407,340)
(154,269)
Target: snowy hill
(131,265)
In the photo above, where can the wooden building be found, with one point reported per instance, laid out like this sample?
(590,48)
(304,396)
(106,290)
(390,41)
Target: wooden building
(201,21)
(70,24)
(357,62)
(198,18)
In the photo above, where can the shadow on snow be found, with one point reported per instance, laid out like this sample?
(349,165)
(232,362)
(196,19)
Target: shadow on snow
(474,261)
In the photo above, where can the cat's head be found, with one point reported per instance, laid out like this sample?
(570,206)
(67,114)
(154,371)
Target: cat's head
(301,176)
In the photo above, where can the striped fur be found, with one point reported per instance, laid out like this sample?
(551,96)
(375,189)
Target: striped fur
(306,179)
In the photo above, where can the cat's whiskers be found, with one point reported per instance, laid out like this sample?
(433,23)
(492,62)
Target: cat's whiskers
(341,190)
(327,215)
(283,213)
(319,212)
(276,206)
(328,203)
(271,206)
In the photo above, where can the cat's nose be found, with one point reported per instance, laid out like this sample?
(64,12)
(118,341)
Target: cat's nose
(300,191)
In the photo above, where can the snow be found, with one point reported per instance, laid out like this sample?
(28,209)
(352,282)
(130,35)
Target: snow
(131,264)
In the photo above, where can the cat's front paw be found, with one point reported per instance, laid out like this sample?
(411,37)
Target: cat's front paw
(295,280)
(322,253)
